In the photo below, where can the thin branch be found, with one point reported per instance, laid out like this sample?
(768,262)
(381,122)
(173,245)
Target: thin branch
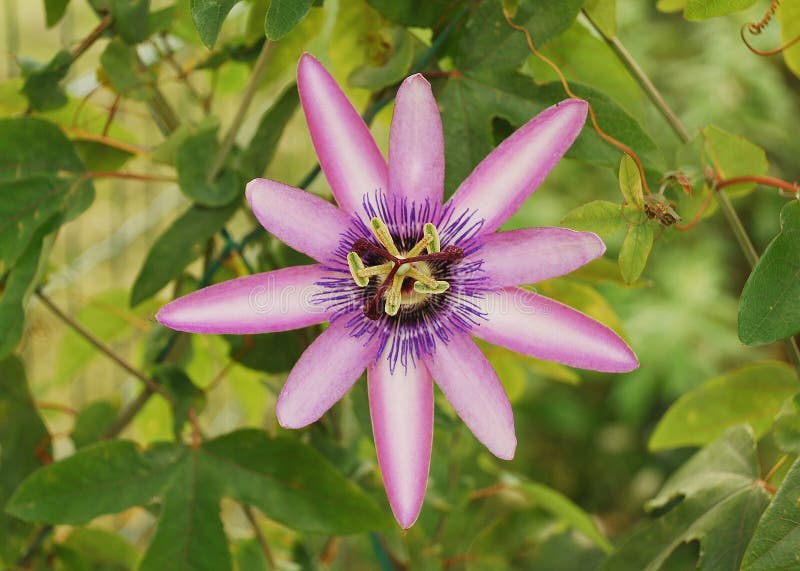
(102,347)
(93,36)
(247,98)
(262,540)
(82,134)
(765,180)
(131,176)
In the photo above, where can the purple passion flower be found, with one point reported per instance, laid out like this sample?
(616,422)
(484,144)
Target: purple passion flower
(406,280)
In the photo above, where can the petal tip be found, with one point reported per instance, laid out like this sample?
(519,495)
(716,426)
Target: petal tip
(250,190)
(507,450)
(416,80)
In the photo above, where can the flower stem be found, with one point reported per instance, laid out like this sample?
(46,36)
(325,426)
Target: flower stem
(230,138)
(738,229)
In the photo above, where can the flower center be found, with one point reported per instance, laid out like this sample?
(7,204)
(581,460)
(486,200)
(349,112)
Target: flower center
(405,277)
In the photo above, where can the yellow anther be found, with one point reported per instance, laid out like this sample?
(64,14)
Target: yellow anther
(356,267)
(381,232)
(419,276)
(393,296)
(379,270)
(421,245)
(435,245)
(441,287)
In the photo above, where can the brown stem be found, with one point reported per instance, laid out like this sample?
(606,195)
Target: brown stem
(262,540)
(93,36)
(131,176)
(765,180)
(102,347)
(89,136)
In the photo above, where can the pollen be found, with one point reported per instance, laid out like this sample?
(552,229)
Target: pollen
(395,267)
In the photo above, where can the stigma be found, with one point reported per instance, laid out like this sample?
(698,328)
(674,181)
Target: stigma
(404,278)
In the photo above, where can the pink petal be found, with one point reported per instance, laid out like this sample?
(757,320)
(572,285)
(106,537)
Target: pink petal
(535,254)
(347,152)
(535,325)
(261,303)
(416,143)
(302,220)
(324,372)
(401,406)
(508,175)
(472,387)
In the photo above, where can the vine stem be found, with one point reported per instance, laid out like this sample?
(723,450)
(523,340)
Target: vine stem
(102,347)
(738,229)
(765,180)
(227,144)
(93,36)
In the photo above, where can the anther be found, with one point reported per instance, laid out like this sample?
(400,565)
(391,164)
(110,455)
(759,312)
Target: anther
(356,268)
(381,232)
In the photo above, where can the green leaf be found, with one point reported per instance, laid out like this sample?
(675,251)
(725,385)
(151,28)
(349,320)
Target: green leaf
(19,285)
(185,394)
(787,427)
(630,182)
(264,143)
(42,85)
(100,157)
(101,479)
(752,394)
(208,16)
(270,352)
(603,14)
(391,65)
(418,13)
(104,549)
(704,9)
(177,247)
(190,533)
(489,47)
(719,506)
(789,17)
(599,216)
(733,156)
(635,251)
(769,309)
(284,15)
(124,71)
(54,10)
(291,483)
(194,156)
(131,19)
(92,422)
(40,175)
(775,541)
(564,509)
(24,443)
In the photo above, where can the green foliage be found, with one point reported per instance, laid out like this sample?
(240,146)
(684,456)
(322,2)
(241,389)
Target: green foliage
(54,11)
(635,250)
(195,155)
(208,16)
(719,505)
(599,216)
(125,72)
(131,19)
(92,423)
(732,156)
(769,308)
(42,84)
(752,394)
(774,543)
(284,15)
(566,511)
(177,247)
(264,143)
(704,9)
(418,13)
(391,66)
(24,445)
(40,176)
